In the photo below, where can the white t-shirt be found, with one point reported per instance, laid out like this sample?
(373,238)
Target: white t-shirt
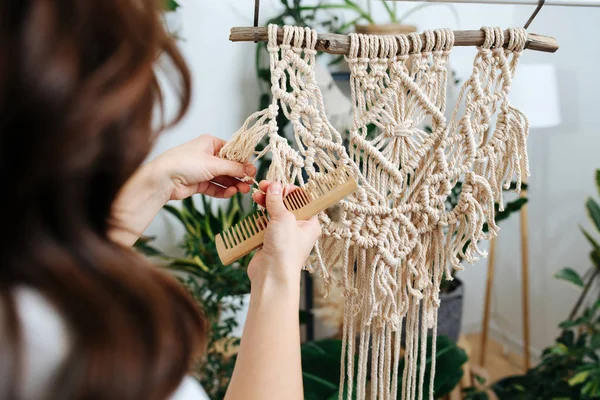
(46,346)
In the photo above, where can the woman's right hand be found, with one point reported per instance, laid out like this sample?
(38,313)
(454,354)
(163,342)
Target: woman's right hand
(287,243)
(268,364)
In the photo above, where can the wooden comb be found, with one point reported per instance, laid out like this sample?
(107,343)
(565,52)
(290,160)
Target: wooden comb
(249,234)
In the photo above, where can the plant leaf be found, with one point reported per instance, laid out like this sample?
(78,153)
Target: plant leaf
(593,210)
(264,74)
(190,207)
(201,264)
(567,338)
(183,268)
(142,245)
(511,207)
(559,349)
(322,359)
(336,60)
(595,342)
(322,382)
(171,5)
(571,323)
(180,216)
(590,238)
(570,275)
(590,389)
(578,378)
(598,180)
(595,256)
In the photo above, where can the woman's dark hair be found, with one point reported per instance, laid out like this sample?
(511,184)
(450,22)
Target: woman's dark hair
(78,88)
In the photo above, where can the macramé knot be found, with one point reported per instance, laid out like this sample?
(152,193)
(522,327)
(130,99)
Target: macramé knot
(394,239)
(401,129)
(272,111)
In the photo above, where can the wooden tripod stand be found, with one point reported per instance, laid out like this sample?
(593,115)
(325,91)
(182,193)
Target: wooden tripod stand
(524,288)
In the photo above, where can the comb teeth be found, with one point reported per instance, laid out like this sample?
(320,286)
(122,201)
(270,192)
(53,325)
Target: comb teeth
(245,229)
(296,199)
(316,196)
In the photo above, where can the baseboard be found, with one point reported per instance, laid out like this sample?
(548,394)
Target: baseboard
(510,342)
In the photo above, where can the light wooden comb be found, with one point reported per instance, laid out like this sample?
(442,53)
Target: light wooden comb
(304,203)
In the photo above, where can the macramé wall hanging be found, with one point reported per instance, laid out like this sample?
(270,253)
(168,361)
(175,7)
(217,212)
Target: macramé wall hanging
(394,239)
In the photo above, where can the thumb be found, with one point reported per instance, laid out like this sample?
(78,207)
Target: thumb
(222,167)
(274,201)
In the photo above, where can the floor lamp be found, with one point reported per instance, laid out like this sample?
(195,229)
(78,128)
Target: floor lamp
(535,92)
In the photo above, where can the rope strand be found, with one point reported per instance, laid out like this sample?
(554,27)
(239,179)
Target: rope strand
(395,239)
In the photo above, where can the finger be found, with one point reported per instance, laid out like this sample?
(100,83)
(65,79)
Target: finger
(259,198)
(264,186)
(217,143)
(289,188)
(274,202)
(219,192)
(243,187)
(226,181)
(222,167)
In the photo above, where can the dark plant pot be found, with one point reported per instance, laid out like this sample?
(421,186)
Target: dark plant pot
(450,311)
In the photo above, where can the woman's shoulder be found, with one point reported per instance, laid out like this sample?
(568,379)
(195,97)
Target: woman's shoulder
(47,342)
(189,389)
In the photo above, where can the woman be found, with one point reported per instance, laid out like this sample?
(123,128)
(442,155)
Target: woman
(81,315)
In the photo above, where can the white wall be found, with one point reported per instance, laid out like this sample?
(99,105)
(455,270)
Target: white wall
(562,163)
(562,159)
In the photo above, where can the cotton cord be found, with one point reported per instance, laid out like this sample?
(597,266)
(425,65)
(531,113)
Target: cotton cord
(395,239)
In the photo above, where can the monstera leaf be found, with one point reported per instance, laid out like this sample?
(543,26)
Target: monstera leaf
(448,366)
(321,368)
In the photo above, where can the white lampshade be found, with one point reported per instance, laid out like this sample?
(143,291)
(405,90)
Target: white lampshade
(535,92)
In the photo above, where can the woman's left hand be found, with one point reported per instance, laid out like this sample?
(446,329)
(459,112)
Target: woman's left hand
(195,167)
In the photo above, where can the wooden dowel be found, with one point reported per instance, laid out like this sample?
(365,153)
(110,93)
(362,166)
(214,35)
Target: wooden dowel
(333,43)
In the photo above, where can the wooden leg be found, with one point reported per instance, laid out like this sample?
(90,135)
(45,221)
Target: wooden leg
(525,280)
(488,301)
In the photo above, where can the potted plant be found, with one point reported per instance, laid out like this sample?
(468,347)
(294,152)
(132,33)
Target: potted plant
(222,291)
(570,368)
(394,27)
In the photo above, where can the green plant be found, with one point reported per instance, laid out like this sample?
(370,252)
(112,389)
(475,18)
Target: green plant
(321,368)
(570,275)
(201,258)
(477,392)
(169,5)
(570,368)
(217,288)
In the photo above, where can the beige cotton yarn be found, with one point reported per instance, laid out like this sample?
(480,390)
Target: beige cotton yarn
(395,239)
